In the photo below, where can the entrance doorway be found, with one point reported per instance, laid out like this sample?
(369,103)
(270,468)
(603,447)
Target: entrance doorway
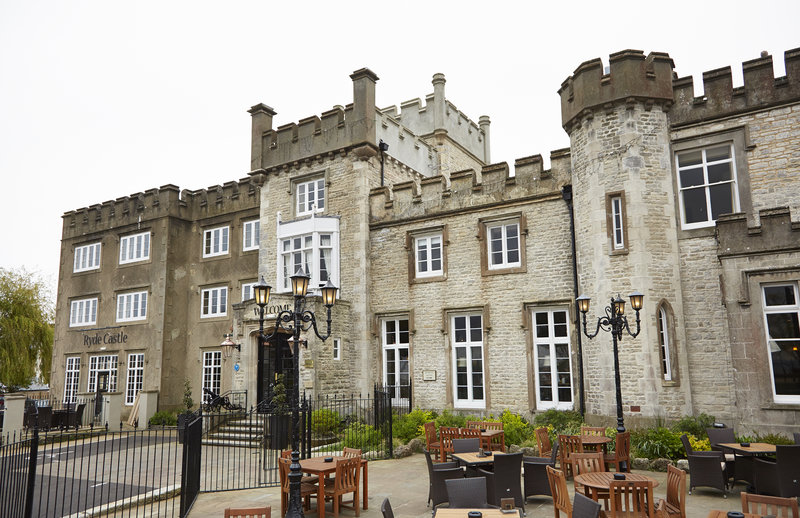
(274,359)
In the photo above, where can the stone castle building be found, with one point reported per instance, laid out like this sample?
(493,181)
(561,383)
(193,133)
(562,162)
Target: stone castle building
(458,276)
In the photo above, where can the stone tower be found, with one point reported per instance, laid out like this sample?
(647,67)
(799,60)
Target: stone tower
(619,136)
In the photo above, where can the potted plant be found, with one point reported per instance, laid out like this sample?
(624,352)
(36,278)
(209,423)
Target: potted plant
(279,418)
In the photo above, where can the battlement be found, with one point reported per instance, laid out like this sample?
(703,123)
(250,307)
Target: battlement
(775,233)
(165,201)
(720,99)
(471,189)
(632,76)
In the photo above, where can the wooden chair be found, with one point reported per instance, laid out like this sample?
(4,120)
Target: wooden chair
(772,505)
(446,436)
(471,433)
(621,453)
(630,499)
(431,441)
(308,479)
(498,442)
(351,452)
(348,475)
(558,488)
(306,490)
(250,512)
(588,463)
(543,442)
(675,504)
(593,430)
(568,444)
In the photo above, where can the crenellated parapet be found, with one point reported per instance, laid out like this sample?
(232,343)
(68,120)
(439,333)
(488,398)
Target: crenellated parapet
(632,77)
(720,99)
(165,201)
(775,233)
(469,190)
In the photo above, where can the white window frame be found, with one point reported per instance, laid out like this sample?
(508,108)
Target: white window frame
(551,342)
(132,306)
(134,378)
(248,287)
(304,204)
(504,240)
(617,230)
(134,248)
(706,186)
(83,312)
(72,378)
(212,371)
(392,337)
(468,344)
(310,253)
(426,266)
(87,257)
(664,342)
(337,348)
(217,305)
(102,363)
(251,238)
(771,343)
(216,241)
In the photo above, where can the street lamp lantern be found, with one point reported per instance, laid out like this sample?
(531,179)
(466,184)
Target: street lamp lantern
(229,345)
(328,293)
(300,282)
(261,290)
(615,322)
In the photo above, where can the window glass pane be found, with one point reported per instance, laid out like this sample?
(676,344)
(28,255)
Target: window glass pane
(721,199)
(718,153)
(719,172)
(694,205)
(690,158)
(690,177)
(779,295)
(783,325)
(786,367)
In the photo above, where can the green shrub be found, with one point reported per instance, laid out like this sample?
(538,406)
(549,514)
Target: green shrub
(694,425)
(409,426)
(362,436)
(563,421)
(516,429)
(324,422)
(163,418)
(657,443)
(447,418)
(700,444)
(773,438)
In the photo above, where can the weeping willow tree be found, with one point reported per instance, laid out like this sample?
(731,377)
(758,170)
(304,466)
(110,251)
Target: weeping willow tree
(26,329)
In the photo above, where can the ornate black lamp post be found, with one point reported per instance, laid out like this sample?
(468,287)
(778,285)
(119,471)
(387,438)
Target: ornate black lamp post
(616,322)
(295,321)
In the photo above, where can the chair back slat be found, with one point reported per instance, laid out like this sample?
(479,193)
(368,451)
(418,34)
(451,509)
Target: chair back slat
(558,489)
(250,512)
(351,452)
(593,430)
(446,436)
(469,433)
(676,489)
(543,442)
(631,499)
(569,444)
(770,505)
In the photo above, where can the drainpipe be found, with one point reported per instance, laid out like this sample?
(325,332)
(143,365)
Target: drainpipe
(566,193)
(383,146)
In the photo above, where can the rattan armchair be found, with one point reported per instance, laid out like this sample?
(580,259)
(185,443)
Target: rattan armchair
(535,474)
(706,468)
(782,477)
(504,481)
(437,474)
(468,493)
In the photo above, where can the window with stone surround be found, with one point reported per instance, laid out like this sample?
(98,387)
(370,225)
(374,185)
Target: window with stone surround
(665,341)
(215,241)
(87,257)
(250,235)
(502,244)
(102,366)
(247,290)
(426,254)
(310,196)
(616,222)
(134,379)
(214,302)
(72,376)
(313,244)
(212,371)
(552,359)
(781,305)
(131,306)
(83,312)
(337,348)
(466,337)
(134,248)
(396,374)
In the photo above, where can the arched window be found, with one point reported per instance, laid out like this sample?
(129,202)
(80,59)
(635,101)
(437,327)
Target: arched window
(664,342)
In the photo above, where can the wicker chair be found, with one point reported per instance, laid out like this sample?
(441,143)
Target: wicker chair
(437,474)
(621,456)
(568,444)
(468,493)
(630,499)
(782,477)
(431,441)
(723,435)
(558,488)
(770,505)
(504,481)
(348,475)
(675,504)
(543,442)
(535,475)
(706,468)
(466,445)
(386,509)
(250,512)
(584,507)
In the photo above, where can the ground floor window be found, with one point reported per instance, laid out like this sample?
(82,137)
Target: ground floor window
(135,377)
(551,354)
(212,371)
(782,323)
(467,339)
(71,378)
(396,375)
(103,368)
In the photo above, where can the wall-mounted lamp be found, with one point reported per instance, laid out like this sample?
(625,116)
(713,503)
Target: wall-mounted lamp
(229,345)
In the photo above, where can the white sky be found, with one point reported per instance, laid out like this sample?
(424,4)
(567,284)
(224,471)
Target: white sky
(102,99)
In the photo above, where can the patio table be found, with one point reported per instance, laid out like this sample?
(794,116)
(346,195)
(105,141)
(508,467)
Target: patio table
(715,513)
(455,512)
(594,441)
(318,466)
(595,481)
(475,459)
(755,448)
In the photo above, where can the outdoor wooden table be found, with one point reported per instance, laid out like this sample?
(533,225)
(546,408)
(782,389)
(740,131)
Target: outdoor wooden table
(450,512)
(488,435)
(755,448)
(474,458)
(594,481)
(594,441)
(715,513)
(318,466)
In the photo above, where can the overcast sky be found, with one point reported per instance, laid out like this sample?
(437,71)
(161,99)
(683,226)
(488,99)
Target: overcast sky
(102,99)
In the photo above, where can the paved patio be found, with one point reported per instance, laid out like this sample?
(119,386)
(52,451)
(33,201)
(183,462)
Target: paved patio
(405,483)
